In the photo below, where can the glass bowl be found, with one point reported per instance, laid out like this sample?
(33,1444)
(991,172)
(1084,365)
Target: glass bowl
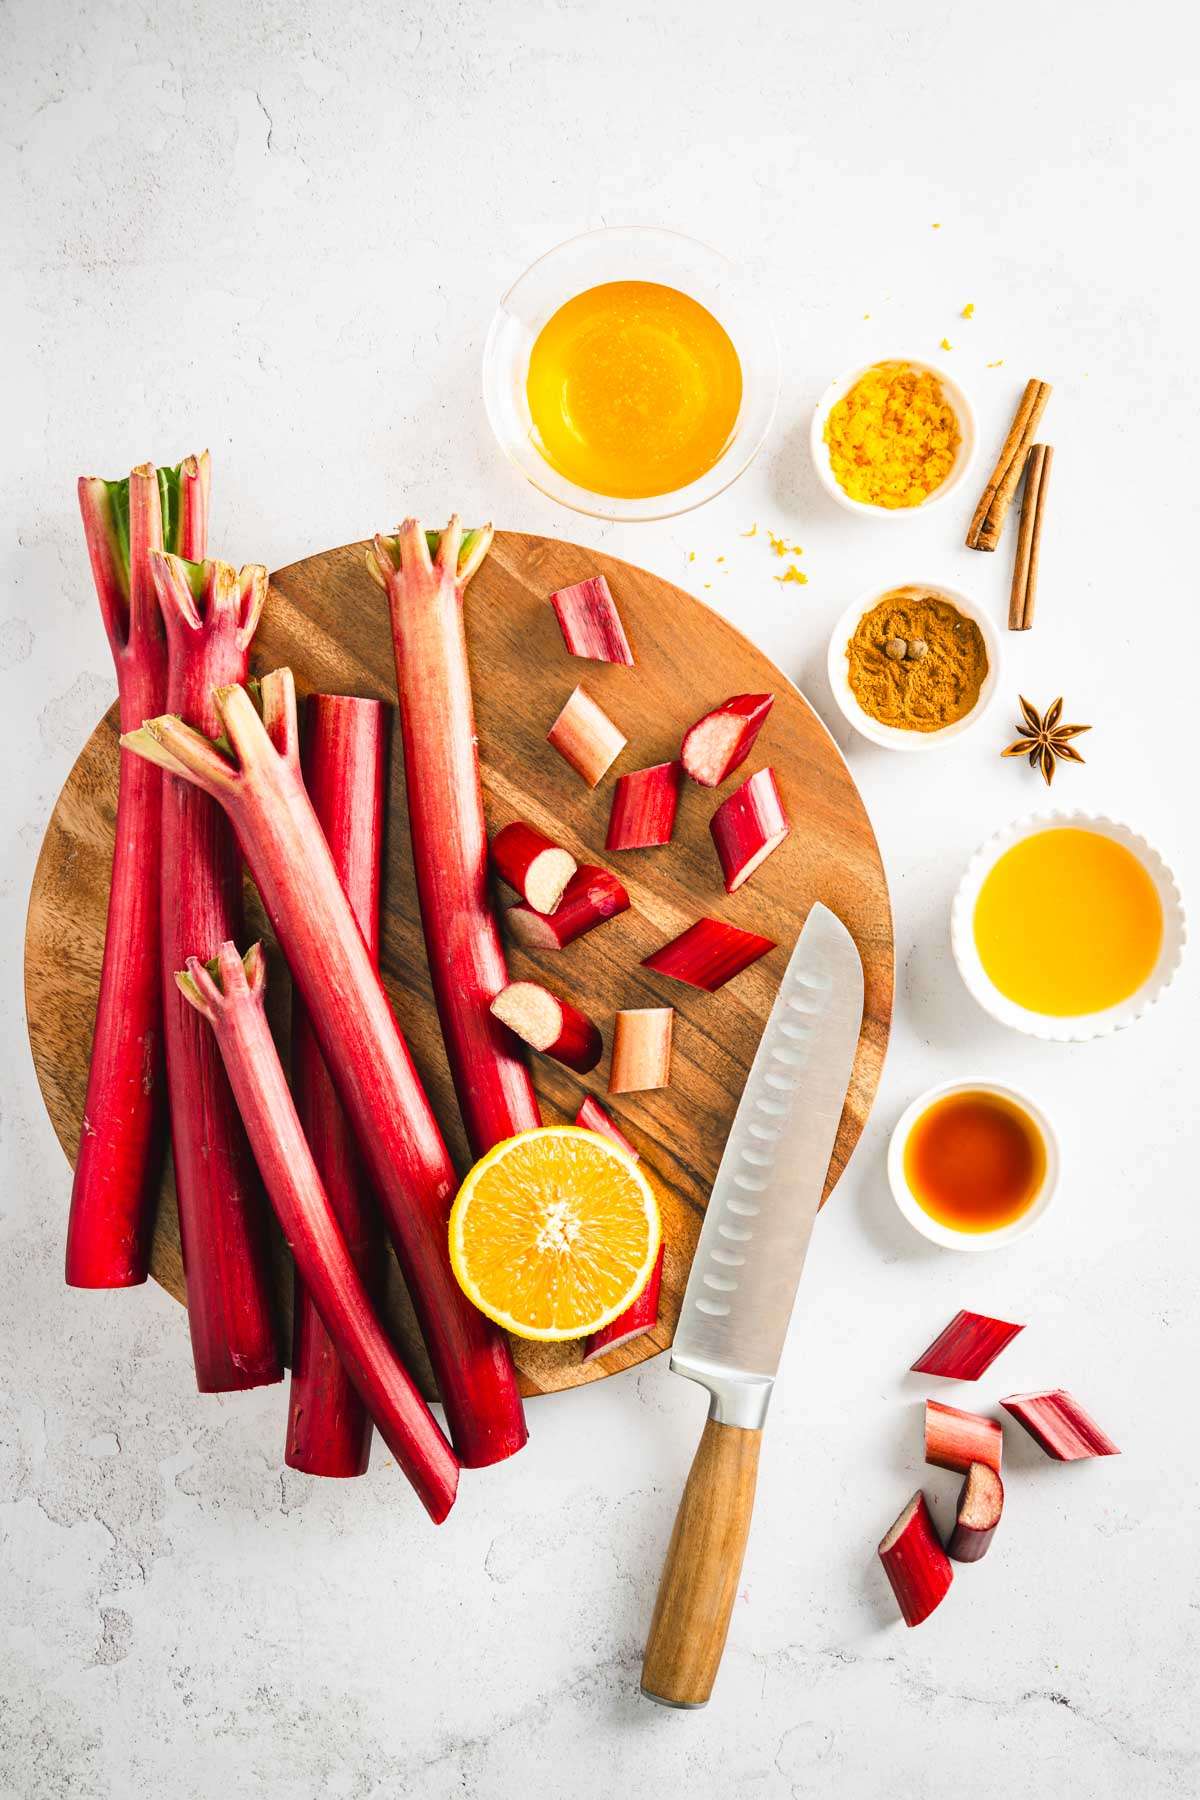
(630,253)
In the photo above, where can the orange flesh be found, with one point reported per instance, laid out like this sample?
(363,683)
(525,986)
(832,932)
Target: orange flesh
(974,1161)
(1068,922)
(634,389)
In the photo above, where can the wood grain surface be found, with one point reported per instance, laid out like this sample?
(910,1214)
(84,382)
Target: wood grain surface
(328,622)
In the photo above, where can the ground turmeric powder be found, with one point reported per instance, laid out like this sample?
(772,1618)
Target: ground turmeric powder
(915,662)
(893,438)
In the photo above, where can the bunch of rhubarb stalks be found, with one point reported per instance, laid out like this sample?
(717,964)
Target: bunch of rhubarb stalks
(216,772)
(914,1560)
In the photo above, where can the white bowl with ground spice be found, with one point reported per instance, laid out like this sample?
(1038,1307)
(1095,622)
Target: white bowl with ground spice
(893,438)
(915,666)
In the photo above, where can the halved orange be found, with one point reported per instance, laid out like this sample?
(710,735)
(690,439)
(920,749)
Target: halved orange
(554,1233)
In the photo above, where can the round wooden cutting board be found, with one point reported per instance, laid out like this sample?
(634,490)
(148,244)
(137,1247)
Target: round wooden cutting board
(327,620)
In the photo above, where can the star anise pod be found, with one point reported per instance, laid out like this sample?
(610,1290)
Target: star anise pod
(1044,740)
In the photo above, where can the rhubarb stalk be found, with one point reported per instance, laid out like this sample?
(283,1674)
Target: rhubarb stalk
(721,741)
(708,954)
(643,808)
(970,1344)
(592,1117)
(532,864)
(1056,1421)
(232,1002)
(591,896)
(955,1440)
(549,1024)
(590,623)
(211,613)
(120,1146)
(915,1563)
(445,817)
(637,1319)
(747,827)
(344,759)
(980,1504)
(261,788)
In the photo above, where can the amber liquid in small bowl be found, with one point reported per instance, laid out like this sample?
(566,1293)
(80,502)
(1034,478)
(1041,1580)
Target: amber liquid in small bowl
(975,1161)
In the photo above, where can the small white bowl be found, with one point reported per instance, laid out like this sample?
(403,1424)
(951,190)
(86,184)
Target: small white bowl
(1079,1029)
(967,433)
(890,736)
(946,1235)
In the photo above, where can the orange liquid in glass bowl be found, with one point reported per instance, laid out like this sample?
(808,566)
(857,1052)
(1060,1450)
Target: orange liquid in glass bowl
(634,390)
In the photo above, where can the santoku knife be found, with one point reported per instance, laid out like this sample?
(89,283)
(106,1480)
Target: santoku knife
(741,1289)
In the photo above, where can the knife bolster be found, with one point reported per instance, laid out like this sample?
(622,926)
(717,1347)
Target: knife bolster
(740,1400)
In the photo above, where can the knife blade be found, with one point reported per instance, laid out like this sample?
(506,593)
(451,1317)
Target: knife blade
(742,1287)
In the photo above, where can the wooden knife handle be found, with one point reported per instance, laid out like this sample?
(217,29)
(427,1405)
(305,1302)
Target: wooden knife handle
(704,1560)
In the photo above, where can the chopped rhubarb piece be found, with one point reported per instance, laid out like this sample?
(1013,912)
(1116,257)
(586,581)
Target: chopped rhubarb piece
(721,741)
(590,623)
(970,1344)
(1056,1421)
(260,785)
(533,865)
(641,1049)
(980,1503)
(549,1024)
(708,954)
(954,1439)
(638,1318)
(592,1117)
(747,827)
(231,999)
(426,595)
(915,1563)
(344,760)
(585,736)
(591,896)
(115,1191)
(643,808)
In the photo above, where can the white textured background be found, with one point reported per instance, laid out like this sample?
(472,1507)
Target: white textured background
(280,230)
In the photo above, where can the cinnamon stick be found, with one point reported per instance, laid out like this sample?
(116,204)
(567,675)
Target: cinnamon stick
(988,522)
(1029,542)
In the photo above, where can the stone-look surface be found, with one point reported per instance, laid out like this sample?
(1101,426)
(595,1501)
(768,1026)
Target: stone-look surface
(280,230)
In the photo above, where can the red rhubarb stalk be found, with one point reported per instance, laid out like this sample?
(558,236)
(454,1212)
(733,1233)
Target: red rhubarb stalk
(445,818)
(1056,1421)
(261,788)
(970,1344)
(955,1440)
(592,1117)
(708,954)
(641,1049)
(532,864)
(747,827)
(344,759)
(585,736)
(124,1113)
(643,808)
(915,1563)
(210,613)
(634,1322)
(591,896)
(980,1504)
(721,741)
(549,1024)
(590,623)
(232,1002)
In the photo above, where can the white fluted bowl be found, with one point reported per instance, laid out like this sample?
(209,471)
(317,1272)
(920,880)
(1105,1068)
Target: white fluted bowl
(1079,1028)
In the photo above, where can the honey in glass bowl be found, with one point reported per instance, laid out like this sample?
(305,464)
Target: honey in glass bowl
(634,390)
(975,1161)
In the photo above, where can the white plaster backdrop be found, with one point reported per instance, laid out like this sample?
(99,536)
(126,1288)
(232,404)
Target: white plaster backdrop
(279,229)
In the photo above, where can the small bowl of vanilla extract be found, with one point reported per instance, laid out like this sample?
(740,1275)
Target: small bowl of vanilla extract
(973,1165)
